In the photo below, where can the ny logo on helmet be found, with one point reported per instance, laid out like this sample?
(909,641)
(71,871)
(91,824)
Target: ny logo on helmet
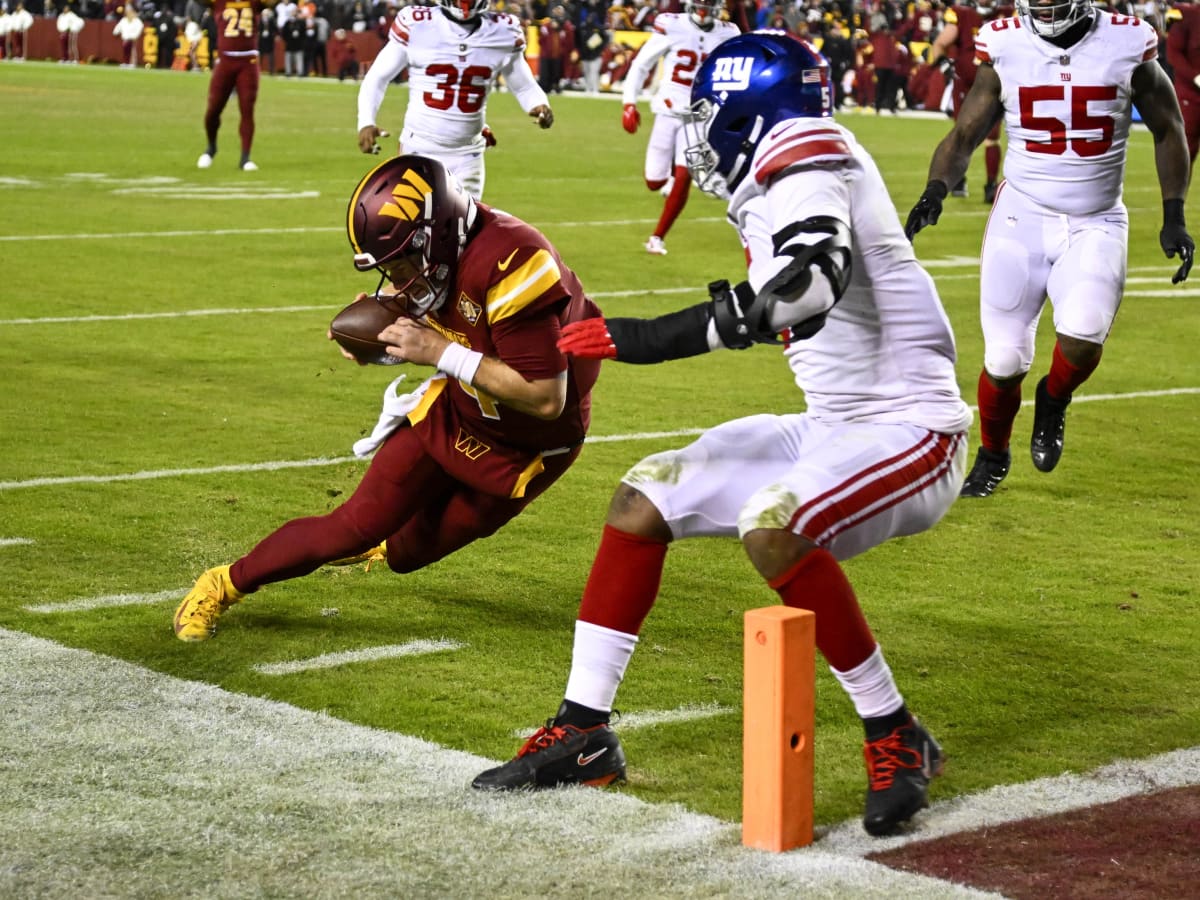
(410,195)
(732,73)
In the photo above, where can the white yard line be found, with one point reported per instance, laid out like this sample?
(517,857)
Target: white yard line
(107,601)
(51,481)
(125,781)
(15,542)
(368,654)
(651,717)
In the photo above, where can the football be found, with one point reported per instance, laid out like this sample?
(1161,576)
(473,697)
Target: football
(355,329)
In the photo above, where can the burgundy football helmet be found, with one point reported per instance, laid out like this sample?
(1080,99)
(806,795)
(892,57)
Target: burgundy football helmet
(412,210)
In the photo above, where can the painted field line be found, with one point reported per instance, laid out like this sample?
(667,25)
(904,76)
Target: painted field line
(651,717)
(369,654)
(121,781)
(15,542)
(107,601)
(338,460)
(1042,797)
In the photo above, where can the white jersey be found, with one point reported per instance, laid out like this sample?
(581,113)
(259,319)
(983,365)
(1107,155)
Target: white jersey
(1067,111)
(685,45)
(886,353)
(451,71)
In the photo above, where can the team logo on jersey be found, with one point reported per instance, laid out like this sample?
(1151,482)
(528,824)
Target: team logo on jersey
(470,446)
(409,197)
(468,310)
(732,73)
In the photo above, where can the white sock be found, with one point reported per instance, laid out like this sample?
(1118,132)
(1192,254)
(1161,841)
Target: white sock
(871,686)
(598,665)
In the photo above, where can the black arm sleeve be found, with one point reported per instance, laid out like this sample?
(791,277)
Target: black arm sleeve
(676,335)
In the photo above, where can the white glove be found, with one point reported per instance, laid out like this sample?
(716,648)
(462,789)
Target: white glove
(396,408)
(1196,81)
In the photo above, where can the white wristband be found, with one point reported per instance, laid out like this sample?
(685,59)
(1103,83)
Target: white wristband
(1196,81)
(460,362)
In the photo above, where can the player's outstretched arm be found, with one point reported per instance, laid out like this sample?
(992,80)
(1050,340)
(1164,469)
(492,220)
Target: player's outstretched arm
(980,111)
(387,65)
(1156,101)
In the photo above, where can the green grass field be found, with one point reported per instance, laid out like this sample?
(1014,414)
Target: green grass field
(163,357)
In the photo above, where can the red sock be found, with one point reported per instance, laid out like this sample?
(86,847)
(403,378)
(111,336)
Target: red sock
(818,583)
(1064,377)
(624,581)
(676,200)
(991,162)
(997,410)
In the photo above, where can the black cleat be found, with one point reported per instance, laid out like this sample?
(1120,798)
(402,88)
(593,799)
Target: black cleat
(1049,423)
(989,193)
(960,189)
(985,476)
(899,768)
(557,755)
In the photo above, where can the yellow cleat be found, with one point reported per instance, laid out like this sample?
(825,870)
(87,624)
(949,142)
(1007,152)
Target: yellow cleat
(374,555)
(213,593)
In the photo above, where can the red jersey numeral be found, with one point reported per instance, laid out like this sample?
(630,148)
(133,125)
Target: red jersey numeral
(1081,119)
(687,62)
(465,89)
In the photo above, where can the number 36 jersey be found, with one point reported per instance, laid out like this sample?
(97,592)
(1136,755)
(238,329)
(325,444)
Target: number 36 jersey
(451,70)
(1067,111)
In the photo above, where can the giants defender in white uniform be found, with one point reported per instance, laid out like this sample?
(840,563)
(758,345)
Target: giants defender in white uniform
(1063,76)
(454,55)
(881,451)
(683,42)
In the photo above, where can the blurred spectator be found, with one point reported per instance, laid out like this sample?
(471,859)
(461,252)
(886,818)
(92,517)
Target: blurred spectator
(193,34)
(358,19)
(20,20)
(267,32)
(5,34)
(836,48)
(344,55)
(69,25)
(292,32)
(129,29)
(556,41)
(643,17)
(167,32)
(885,54)
(591,37)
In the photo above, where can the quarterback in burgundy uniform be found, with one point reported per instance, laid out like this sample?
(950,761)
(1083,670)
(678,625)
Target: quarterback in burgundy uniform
(1064,77)
(482,298)
(682,41)
(236,69)
(454,53)
(1183,53)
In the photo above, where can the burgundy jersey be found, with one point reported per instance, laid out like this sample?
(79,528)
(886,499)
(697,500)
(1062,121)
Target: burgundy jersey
(969,20)
(1183,50)
(237,26)
(511,297)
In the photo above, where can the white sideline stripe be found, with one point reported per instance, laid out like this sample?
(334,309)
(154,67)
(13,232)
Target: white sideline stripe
(14,542)
(332,461)
(251,310)
(107,601)
(651,717)
(370,654)
(267,799)
(316,229)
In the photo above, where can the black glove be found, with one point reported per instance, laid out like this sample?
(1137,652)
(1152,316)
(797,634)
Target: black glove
(928,209)
(1174,238)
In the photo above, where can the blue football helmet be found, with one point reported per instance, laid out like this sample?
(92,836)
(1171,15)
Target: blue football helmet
(746,85)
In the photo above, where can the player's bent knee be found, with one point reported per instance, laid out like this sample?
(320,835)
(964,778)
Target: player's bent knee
(655,183)
(632,512)
(1005,363)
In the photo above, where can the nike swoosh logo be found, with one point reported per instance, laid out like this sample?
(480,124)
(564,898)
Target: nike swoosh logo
(584,760)
(777,132)
(504,265)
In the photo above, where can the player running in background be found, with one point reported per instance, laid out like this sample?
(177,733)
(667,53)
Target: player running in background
(482,298)
(879,452)
(682,41)
(453,53)
(1063,76)
(954,50)
(1183,54)
(236,69)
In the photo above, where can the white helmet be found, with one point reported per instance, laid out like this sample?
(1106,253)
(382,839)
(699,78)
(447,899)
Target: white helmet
(704,12)
(1049,18)
(462,10)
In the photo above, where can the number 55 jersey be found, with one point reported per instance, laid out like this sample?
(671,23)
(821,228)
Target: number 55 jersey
(1067,111)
